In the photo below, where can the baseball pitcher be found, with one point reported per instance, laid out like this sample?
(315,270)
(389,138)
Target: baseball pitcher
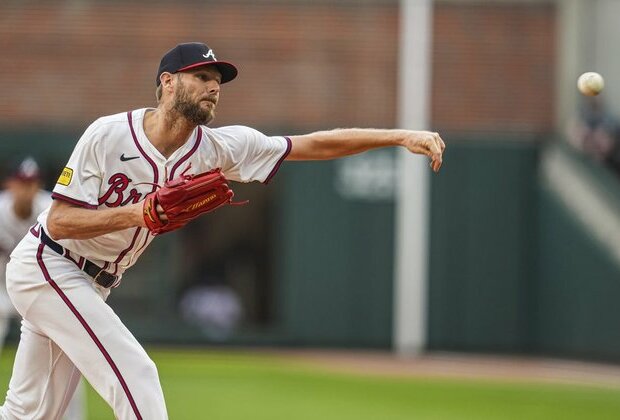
(133,176)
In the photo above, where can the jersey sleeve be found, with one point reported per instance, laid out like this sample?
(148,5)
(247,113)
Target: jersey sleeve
(79,182)
(247,155)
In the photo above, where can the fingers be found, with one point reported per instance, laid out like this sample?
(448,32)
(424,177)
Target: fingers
(441,143)
(160,213)
(429,144)
(436,146)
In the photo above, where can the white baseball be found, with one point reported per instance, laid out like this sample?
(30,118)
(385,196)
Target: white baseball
(590,83)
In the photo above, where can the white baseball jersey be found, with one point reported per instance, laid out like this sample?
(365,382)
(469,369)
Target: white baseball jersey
(114,164)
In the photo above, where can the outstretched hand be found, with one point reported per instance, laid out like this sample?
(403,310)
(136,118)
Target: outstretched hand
(426,143)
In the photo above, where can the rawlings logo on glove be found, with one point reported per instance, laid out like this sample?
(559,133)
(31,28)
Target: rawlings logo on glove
(185,198)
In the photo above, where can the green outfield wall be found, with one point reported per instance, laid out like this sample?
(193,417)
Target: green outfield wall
(483,247)
(512,268)
(335,257)
(576,309)
(578,282)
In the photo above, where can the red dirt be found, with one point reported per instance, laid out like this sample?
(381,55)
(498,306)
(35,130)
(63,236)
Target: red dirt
(452,365)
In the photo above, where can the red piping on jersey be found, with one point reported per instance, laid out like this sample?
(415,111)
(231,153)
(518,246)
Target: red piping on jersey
(155,179)
(188,154)
(88,329)
(73,201)
(147,157)
(36,232)
(141,247)
(126,250)
(289,145)
(79,262)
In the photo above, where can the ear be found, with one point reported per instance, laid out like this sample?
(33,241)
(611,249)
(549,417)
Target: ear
(165,79)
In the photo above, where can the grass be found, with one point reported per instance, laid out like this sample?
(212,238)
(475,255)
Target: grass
(233,386)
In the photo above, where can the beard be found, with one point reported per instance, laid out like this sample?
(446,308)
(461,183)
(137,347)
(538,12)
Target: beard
(191,110)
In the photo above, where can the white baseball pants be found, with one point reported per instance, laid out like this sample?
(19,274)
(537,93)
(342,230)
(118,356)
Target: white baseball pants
(68,328)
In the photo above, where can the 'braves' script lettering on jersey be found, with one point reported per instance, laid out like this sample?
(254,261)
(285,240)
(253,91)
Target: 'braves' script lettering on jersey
(119,182)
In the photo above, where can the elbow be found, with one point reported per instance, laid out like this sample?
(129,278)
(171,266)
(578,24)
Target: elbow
(53,230)
(54,227)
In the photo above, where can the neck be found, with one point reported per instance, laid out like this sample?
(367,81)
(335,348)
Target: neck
(167,130)
(22,210)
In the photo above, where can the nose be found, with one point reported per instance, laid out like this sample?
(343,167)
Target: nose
(213,88)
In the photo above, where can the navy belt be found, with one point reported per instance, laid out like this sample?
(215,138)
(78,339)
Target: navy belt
(101,277)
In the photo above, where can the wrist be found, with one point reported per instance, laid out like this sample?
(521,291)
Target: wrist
(403,138)
(137,214)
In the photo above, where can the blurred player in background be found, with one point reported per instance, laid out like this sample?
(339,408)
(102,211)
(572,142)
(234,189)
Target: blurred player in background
(595,131)
(21,202)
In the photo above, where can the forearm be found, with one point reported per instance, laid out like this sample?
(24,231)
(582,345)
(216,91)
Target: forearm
(333,144)
(343,142)
(69,222)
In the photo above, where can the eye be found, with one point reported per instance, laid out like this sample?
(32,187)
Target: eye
(206,77)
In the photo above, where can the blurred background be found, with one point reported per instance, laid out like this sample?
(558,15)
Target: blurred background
(513,248)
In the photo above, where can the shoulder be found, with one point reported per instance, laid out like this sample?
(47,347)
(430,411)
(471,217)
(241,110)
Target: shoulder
(114,120)
(110,120)
(105,126)
(231,132)
(236,137)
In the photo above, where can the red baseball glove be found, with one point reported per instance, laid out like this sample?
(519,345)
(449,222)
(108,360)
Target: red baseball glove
(185,198)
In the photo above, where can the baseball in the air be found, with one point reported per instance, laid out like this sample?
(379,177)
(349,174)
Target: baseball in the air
(590,83)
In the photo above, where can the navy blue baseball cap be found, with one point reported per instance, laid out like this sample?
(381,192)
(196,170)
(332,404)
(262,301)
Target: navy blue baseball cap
(191,55)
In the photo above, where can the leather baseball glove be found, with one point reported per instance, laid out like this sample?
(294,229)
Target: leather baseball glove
(185,198)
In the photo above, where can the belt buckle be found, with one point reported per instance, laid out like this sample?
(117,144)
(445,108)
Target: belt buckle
(109,282)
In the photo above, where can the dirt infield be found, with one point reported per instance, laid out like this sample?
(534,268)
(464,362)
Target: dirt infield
(464,366)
